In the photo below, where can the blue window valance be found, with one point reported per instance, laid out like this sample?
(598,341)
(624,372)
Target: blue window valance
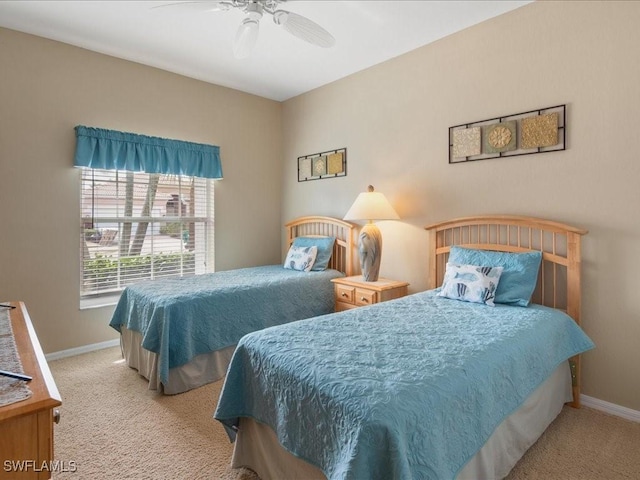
(113,150)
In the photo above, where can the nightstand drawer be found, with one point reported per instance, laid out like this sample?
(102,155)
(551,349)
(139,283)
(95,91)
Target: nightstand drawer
(366,297)
(354,292)
(345,294)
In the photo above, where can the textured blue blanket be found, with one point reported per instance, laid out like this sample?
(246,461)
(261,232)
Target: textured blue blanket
(182,318)
(406,389)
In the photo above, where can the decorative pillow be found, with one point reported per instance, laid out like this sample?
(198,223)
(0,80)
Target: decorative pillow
(324,246)
(519,277)
(301,258)
(471,283)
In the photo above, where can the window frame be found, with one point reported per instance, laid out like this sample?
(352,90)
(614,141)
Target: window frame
(202,220)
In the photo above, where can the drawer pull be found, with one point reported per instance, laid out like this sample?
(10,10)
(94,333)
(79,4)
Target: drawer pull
(364,299)
(344,294)
(56,415)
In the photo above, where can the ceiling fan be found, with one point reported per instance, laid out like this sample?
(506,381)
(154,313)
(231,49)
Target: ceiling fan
(247,33)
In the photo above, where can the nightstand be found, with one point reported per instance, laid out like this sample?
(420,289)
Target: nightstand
(353,292)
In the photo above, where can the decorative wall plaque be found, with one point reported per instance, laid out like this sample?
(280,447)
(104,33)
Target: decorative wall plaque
(466,142)
(535,131)
(329,164)
(540,131)
(304,168)
(335,163)
(499,137)
(319,165)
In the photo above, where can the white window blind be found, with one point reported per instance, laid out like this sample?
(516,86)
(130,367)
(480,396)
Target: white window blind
(141,226)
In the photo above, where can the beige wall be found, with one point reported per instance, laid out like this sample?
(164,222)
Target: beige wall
(394,120)
(47,88)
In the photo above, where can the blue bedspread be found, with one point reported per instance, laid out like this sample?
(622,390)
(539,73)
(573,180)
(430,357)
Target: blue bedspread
(406,389)
(183,317)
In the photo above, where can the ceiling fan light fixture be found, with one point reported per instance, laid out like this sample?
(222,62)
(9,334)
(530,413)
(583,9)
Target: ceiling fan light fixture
(247,33)
(246,37)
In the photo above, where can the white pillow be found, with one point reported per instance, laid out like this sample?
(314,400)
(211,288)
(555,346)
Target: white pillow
(301,258)
(471,283)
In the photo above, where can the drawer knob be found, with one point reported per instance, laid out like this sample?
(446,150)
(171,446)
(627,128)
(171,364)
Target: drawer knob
(344,294)
(363,299)
(56,415)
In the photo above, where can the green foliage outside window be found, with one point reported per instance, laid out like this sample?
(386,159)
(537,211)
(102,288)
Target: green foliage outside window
(102,272)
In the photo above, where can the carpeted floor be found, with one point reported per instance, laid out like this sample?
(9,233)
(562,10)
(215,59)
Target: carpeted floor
(112,427)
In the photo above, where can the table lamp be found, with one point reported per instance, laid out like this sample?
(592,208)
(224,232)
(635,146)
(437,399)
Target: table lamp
(370,206)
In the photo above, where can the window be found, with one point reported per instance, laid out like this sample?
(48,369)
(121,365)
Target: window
(146,209)
(142,226)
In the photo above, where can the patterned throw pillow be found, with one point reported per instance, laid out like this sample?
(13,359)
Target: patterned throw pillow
(325,249)
(519,275)
(301,258)
(471,283)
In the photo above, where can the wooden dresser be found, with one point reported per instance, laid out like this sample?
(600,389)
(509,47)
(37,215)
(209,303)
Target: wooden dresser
(26,427)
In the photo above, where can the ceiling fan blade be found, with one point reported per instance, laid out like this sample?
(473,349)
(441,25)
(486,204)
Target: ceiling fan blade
(304,28)
(200,6)
(246,37)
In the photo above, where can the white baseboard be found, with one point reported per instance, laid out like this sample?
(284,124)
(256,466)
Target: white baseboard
(79,350)
(611,408)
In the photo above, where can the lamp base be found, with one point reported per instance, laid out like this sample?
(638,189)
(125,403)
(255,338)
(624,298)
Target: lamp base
(370,250)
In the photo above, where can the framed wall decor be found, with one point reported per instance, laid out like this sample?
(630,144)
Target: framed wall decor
(535,131)
(330,164)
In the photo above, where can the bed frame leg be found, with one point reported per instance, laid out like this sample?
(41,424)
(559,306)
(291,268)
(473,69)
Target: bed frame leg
(574,366)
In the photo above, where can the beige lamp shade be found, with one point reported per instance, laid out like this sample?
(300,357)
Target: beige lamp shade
(370,206)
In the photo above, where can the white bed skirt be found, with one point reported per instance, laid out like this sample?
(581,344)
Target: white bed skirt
(203,369)
(257,448)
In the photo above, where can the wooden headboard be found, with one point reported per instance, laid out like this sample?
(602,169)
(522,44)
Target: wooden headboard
(559,276)
(317,226)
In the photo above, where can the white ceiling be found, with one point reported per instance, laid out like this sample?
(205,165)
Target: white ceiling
(199,44)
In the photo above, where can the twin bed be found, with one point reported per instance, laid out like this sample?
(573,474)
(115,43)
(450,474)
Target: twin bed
(427,386)
(181,333)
